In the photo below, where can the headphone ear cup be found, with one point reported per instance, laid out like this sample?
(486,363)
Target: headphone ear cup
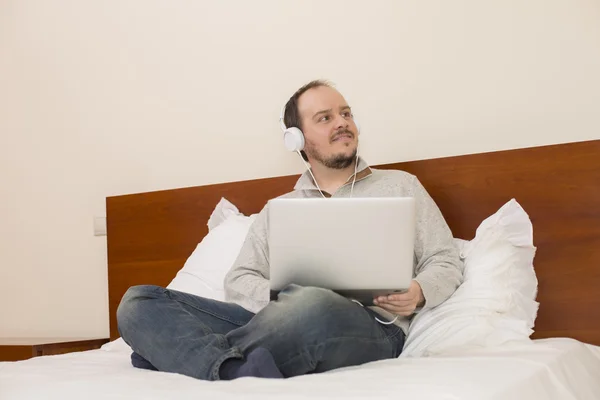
(357,126)
(293,139)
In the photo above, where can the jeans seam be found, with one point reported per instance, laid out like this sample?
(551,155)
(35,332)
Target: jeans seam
(221,317)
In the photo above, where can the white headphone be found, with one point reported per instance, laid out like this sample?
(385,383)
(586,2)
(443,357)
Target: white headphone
(293,138)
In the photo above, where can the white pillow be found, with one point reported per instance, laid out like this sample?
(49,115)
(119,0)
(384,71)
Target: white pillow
(222,211)
(204,271)
(496,302)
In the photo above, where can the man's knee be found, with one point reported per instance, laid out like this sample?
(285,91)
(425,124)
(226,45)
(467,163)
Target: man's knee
(130,308)
(312,300)
(309,315)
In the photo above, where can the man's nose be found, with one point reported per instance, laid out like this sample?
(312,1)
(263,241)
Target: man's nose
(340,122)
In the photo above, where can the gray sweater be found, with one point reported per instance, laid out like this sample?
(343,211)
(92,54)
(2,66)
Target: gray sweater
(437,266)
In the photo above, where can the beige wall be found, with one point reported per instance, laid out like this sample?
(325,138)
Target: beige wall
(100,98)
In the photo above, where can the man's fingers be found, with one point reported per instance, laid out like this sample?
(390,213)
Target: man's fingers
(403,304)
(397,303)
(408,296)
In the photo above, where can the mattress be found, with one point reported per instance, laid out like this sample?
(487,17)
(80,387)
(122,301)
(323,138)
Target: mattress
(557,368)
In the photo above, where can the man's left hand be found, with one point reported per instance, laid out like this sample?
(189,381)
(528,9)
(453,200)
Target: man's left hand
(403,304)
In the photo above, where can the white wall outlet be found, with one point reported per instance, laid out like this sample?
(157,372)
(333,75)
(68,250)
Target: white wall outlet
(99,226)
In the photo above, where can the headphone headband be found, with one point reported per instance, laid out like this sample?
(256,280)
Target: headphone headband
(281,122)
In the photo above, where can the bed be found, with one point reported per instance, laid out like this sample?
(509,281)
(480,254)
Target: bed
(150,236)
(561,369)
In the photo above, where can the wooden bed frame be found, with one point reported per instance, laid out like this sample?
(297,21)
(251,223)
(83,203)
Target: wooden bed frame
(150,235)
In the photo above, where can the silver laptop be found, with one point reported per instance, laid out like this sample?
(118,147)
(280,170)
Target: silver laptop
(358,247)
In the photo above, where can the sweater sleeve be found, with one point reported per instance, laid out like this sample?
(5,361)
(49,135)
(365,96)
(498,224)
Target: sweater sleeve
(247,282)
(439,269)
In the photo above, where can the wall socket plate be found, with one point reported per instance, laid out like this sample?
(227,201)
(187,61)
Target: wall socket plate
(99,226)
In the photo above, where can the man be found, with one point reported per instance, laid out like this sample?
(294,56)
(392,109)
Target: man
(306,329)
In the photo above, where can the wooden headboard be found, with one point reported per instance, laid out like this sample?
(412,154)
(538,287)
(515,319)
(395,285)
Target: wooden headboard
(150,235)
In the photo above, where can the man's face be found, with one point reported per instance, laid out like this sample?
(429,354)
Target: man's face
(330,134)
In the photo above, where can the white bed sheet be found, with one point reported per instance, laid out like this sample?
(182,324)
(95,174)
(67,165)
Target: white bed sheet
(544,369)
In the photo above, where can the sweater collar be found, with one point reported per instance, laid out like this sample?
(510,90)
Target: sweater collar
(305,182)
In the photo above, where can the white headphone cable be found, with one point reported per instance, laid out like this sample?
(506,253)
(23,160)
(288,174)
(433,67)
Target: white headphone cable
(377,319)
(354,179)
(310,172)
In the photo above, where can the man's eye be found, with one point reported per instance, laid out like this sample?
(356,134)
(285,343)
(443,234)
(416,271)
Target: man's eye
(347,114)
(324,118)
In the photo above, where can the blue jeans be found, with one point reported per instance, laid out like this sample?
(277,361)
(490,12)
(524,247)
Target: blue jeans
(306,329)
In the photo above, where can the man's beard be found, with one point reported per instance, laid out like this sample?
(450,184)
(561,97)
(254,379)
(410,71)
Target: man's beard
(337,161)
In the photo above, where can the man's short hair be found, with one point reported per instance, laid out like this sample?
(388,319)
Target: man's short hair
(291,114)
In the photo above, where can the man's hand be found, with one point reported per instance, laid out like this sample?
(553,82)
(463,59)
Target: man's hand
(403,304)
